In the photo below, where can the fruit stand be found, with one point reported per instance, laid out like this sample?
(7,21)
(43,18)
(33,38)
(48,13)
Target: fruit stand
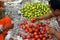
(25,27)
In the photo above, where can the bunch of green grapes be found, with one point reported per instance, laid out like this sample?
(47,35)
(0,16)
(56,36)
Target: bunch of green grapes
(35,9)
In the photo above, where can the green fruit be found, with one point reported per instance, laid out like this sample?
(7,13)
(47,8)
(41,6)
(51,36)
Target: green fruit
(34,9)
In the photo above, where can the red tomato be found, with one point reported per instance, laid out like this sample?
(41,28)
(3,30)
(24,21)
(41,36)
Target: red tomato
(42,32)
(25,22)
(26,25)
(40,36)
(28,36)
(50,37)
(33,38)
(24,37)
(43,25)
(11,38)
(35,33)
(30,25)
(32,20)
(33,29)
(32,35)
(38,39)
(30,30)
(21,26)
(44,38)
(19,34)
(26,30)
(48,22)
(39,33)
(36,36)
(43,29)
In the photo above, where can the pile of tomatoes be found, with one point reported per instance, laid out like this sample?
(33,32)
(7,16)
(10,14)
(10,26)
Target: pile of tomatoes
(35,30)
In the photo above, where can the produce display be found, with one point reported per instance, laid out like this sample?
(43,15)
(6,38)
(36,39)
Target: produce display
(35,31)
(35,9)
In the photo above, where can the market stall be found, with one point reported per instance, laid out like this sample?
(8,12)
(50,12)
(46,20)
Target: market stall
(22,13)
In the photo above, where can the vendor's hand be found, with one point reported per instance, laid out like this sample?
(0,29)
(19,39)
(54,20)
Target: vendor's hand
(0,31)
(36,19)
(51,30)
(10,26)
(1,28)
